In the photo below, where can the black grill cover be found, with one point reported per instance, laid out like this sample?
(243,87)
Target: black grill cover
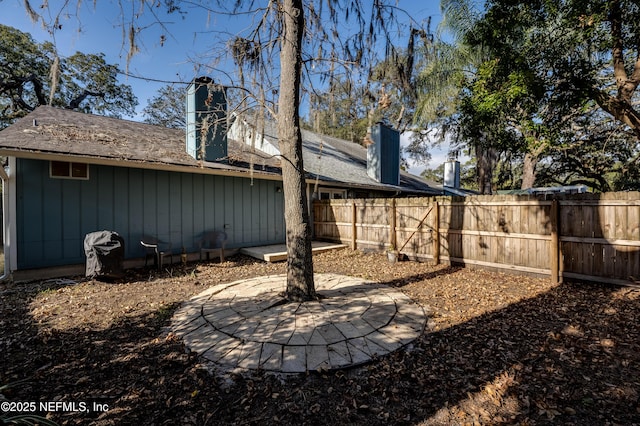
(105,253)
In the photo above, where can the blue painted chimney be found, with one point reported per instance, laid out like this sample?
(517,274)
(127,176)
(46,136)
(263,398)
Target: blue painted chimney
(206,120)
(383,155)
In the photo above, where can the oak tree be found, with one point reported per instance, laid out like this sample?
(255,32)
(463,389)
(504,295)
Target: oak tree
(33,74)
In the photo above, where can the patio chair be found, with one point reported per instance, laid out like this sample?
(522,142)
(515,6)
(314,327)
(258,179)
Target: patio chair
(157,249)
(212,242)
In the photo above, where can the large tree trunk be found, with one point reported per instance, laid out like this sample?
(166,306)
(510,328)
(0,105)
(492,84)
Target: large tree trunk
(300,284)
(529,172)
(621,106)
(486,159)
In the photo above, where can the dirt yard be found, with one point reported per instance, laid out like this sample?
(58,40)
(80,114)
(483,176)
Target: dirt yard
(502,349)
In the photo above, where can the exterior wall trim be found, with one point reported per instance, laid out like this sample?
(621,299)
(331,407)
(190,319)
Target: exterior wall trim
(138,164)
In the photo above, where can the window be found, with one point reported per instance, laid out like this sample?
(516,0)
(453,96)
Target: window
(333,194)
(69,170)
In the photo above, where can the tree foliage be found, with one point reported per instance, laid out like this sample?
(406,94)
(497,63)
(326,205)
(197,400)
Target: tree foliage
(544,67)
(167,108)
(348,107)
(582,54)
(597,152)
(32,74)
(341,111)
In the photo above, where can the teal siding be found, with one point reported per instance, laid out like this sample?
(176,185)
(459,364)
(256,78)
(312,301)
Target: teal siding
(135,191)
(54,215)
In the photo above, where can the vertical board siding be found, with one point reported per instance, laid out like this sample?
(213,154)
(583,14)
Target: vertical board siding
(233,230)
(248,221)
(72,245)
(599,234)
(29,194)
(54,215)
(172,229)
(198,205)
(105,181)
(135,207)
(121,201)
(188,233)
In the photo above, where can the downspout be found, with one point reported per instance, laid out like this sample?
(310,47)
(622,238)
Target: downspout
(6,221)
(310,209)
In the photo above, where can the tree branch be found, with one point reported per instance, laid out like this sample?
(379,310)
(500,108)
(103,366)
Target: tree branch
(619,108)
(75,102)
(626,85)
(18,85)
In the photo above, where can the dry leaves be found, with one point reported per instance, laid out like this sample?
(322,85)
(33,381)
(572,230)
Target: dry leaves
(499,349)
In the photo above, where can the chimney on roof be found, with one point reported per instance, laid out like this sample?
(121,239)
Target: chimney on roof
(452,174)
(383,155)
(206,120)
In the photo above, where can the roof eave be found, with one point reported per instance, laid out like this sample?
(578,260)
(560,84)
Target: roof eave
(205,169)
(386,188)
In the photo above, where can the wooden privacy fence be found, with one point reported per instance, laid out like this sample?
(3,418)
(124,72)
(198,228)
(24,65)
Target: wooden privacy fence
(584,236)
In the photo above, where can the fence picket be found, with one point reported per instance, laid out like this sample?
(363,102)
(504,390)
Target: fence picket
(598,234)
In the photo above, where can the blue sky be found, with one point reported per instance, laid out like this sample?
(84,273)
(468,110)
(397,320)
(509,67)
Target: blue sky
(189,40)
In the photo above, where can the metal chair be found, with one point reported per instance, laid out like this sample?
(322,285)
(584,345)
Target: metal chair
(211,242)
(157,249)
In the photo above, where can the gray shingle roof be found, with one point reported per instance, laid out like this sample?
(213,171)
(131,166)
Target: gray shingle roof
(339,161)
(93,137)
(60,132)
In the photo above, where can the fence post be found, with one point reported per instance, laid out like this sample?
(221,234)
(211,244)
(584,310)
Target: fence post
(554,244)
(392,225)
(436,233)
(354,227)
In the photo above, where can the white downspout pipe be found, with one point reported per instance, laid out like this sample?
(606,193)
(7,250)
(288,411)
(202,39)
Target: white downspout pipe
(310,208)
(8,212)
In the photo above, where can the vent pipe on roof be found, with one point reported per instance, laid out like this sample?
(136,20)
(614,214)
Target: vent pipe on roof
(206,120)
(383,155)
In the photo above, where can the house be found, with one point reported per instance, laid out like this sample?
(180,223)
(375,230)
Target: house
(68,174)
(337,168)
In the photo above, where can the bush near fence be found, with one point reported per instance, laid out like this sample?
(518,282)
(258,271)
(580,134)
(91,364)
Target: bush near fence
(592,237)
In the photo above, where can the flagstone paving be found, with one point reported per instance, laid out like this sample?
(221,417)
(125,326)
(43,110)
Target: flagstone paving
(247,324)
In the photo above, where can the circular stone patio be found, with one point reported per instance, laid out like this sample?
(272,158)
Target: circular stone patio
(247,324)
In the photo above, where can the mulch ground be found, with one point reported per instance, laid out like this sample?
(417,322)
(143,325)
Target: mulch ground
(500,349)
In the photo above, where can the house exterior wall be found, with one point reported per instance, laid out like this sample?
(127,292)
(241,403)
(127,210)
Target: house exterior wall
(54,215)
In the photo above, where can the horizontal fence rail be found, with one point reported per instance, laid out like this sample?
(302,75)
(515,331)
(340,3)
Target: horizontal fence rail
(592,237)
